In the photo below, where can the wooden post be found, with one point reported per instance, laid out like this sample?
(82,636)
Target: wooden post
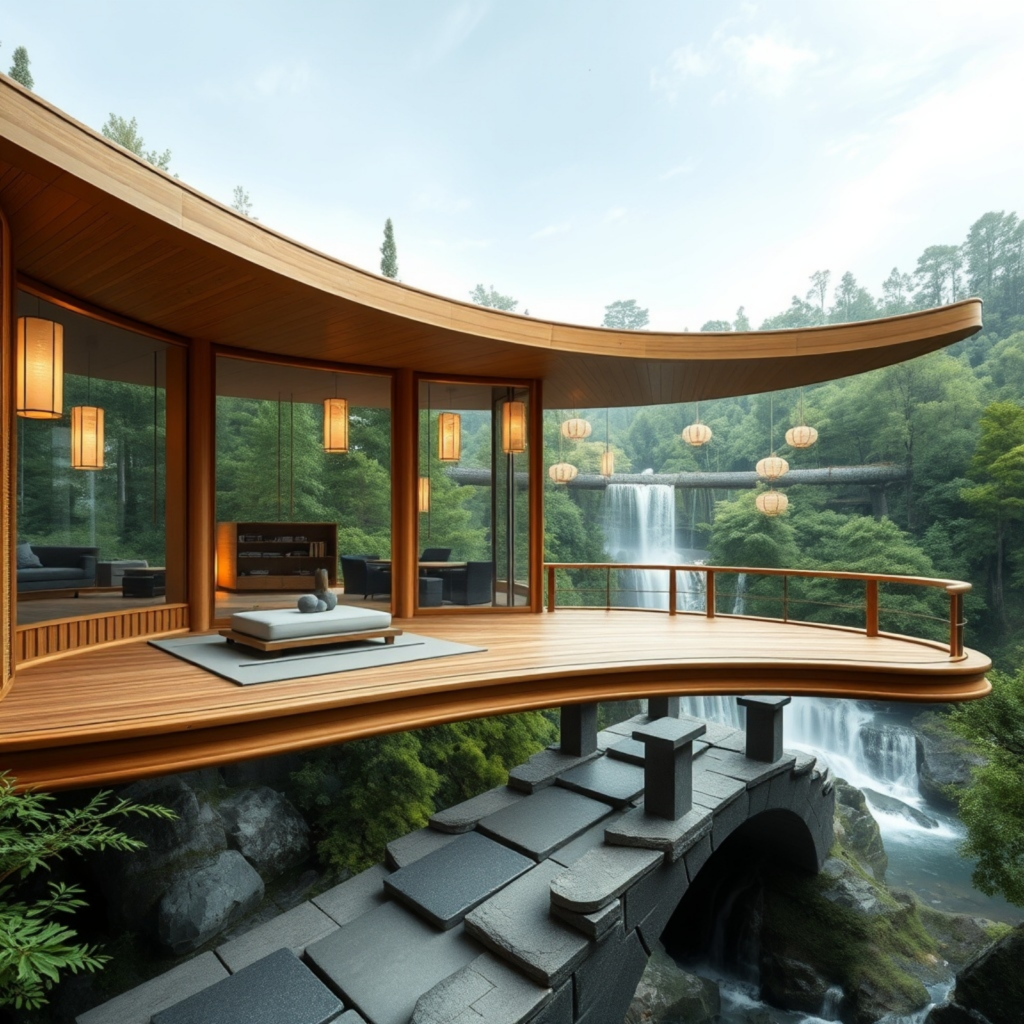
(535,448)
(709,593)
(404,495)
(8,433)
(607,588)
(201,470)
(785,599)
(956,629)
(871,607)
(176,486)
(551,588)
(672,595)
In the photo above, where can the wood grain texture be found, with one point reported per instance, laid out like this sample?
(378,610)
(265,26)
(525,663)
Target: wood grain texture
(132,711)
(8,505)
(97,222)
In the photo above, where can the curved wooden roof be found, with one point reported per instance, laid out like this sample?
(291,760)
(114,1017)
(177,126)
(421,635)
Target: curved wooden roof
(94,221)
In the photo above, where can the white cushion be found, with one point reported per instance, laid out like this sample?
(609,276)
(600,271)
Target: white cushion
(290,623)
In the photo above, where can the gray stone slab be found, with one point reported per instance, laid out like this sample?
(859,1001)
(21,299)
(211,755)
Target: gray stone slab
(675,731)
(603,986)
(486,990)
(627,749)
(385,960)
(518,926)
(804,762)
(547,820)
(447,884)
(713,790)
(543,768)
(637,828)
(594,925)
(601,876)
(412,846)
(652,901)
(463,817)
(626,728)
(351,1017)
(585,842)
(279,989)
(727,737)
(295,930)
(613,782)
(137,1005)
(737,766)
(354,897)
(606,738)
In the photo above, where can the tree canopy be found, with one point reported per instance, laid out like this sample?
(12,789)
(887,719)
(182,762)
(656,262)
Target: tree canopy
(389,252)
(126,133)
(625,315)
(494,299)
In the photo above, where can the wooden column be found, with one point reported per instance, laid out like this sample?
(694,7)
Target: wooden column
(176,485)
(536,471)
(404,497)
(8,433)
(201,483)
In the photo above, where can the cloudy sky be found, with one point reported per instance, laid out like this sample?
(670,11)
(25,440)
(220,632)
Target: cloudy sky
(694,156)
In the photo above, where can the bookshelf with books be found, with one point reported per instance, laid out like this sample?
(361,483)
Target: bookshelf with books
(275,556)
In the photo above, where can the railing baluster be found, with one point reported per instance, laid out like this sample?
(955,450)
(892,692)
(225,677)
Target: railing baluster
(956,624)
(871,608)
(785,599)
(551,588)
(607,588)
(709,594)
(672,592)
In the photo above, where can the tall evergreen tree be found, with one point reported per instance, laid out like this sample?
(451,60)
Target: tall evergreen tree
(389,252)
(19,68)
(126,133)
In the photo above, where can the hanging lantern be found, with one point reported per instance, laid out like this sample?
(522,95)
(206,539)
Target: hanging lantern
(772,503)
(86,437)
(608,463)
(424,494)
(40,369)
(513,428)
(576,429)
(449,437)
(801,437)
(336,425)
(697,434)
(562,472)
(772,467)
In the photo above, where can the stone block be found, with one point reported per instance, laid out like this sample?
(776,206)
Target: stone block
(728,817)
(627,749)
(447,884)
(485,991)
(594,925)
(603,986)
(385,960)
(518,926)
(578,729)
(294,930)
(279,989)
(737,766)
(613,782)
(713,790)
(668,764)
(804,762)
(559,1010)
(697,856)
(727,737)
(350,1017)
(543,768)
(662,707)
(547,820)
(463,817)
(354,897)
(764,726)
(758,797)
(409,848)
(137,1005)
(601,876)
(673,838)
(585,842)
(650,903)
(626,728)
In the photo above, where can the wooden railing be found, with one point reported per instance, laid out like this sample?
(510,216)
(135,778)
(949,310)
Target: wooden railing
(955,590)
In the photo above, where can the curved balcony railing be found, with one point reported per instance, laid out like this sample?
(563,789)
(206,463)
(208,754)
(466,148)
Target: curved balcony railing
(702,595)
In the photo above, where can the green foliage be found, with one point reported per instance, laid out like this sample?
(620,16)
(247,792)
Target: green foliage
(716,325)
(494,299)
(126,133)
(389,252)
(625,315)
(20,68)
(241,202)
(34,949)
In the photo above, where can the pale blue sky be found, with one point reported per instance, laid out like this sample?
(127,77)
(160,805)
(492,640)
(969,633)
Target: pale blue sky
(693,156)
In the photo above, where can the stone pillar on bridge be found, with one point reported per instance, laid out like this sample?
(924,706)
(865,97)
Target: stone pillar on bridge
(764,726)
(668,765)
(578,727)
(662,707)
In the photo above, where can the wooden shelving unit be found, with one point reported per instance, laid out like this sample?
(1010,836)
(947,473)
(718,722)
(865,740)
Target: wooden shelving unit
(275,556)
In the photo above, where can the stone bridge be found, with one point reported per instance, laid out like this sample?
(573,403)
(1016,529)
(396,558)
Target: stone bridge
(537,902)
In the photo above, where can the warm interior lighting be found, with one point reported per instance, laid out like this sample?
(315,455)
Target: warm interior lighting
(424,493)
(86,437)
(608,463)
(40,369)
(576,429)
(562,472)
(513,428)
(801,437)
(697,434)
(772,467)
(449,437)
(336,425)
(772,503)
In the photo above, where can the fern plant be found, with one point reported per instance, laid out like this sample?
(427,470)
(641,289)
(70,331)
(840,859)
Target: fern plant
(34,946)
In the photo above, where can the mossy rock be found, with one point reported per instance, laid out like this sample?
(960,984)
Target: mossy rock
(667,994)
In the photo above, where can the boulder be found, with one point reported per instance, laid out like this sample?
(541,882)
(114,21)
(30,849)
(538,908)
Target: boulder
(858,831)
(792,985)
(943,759)
(845,888)
(667,993)
(266,829)
(204,900)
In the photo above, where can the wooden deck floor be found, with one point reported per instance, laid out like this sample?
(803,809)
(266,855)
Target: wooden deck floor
(132,711)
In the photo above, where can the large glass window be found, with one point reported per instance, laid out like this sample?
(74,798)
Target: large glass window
(91,471)
(303,483)
(474,513)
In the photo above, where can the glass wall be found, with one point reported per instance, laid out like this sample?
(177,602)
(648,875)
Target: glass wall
(474,515)
(91,472)
(303,483)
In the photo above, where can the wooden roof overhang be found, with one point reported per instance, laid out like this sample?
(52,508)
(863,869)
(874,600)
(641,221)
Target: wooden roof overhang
(93,221)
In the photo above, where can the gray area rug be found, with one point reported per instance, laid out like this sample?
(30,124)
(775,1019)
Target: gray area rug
(247,667)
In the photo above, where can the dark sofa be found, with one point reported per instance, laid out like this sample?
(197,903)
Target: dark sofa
(63,568)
